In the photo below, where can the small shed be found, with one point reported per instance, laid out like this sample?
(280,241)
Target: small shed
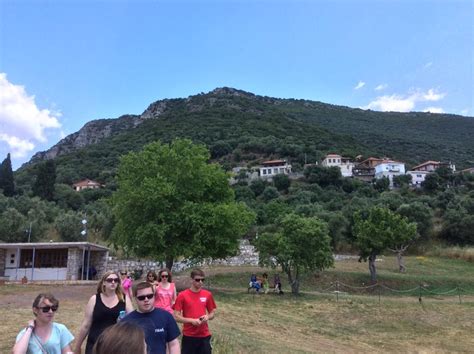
(52,261)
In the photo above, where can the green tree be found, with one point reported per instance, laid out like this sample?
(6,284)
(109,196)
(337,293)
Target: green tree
(12,226)
(302,244)
(172,203)
(7,183)
(45,179)
(69,226)
(257,186)
(382,184)
(281,182)
(380,229)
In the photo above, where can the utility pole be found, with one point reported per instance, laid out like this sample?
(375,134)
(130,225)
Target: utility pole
(84,233)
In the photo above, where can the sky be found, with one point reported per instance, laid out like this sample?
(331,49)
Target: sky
(64,63)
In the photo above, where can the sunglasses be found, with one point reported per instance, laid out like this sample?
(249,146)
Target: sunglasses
(164,275)
(112,280)
(123,273)
(46,309)
(143,297)
(199,279)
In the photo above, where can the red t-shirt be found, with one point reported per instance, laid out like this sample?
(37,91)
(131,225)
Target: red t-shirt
(194,305)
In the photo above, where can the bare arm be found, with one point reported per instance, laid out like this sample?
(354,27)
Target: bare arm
(180,318)
(174,347)
(173,299)
(209,316)
(128,304)
(21,346)
(86,324)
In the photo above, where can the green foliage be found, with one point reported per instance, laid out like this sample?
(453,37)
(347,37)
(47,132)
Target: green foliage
(45,179)
(302,244)
(324,176)
(382,184)
(170,203)
(381,229)
(12,226)
(7,183)
(281,182)
(270,193)
(257,186)
(69,226)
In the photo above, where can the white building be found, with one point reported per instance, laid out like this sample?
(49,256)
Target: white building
(345,164)
(389,169)
(273,168)
(417,177)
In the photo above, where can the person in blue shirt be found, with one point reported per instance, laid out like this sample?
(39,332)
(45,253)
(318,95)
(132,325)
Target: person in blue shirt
(41,334)
(161,330)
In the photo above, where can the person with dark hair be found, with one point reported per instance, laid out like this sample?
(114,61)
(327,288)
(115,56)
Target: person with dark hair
(161,330)
(151,277)
(165,291)
(102,310)
(41,334)
(195,307)
(122,338)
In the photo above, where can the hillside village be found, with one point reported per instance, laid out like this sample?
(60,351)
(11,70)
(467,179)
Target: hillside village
(366,170)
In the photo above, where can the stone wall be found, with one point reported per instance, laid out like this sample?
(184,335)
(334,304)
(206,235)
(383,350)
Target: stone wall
(247,256)
(74,263)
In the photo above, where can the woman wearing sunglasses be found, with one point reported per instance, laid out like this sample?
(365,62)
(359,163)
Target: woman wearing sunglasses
(102,310)
(42,335)
(165,291)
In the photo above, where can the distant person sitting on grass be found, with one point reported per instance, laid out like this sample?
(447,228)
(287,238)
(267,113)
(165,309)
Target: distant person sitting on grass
(254,283)
(41,334)
(277,284)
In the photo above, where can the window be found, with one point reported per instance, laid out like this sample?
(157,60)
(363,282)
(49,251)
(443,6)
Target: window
(275,170)
(44,258)
(264,171)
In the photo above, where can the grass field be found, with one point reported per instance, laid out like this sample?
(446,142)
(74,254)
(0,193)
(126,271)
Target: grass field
(312,322)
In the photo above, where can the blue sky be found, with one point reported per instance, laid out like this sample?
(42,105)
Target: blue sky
(64,63)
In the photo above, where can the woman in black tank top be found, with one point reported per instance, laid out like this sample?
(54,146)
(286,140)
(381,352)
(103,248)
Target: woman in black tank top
(102,310)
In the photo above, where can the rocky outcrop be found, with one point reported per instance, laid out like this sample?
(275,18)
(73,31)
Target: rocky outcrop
(91,133)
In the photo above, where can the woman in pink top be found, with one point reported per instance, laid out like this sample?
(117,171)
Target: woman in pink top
(126,283)
(165,292)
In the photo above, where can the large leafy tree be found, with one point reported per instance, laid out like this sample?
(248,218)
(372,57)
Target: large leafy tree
(7,183)
(379,229)
(301,244)
(172,203)
(45,179)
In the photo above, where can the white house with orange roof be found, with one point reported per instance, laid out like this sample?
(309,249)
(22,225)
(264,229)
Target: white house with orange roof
(274,167)
(86,184)
(344,163)
(431,166)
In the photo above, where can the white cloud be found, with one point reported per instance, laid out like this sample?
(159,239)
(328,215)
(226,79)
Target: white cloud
(427,65)
(434,110)
(465,112)
(359,85)
(22,122)
(381,87)
(431,95)
(404,103)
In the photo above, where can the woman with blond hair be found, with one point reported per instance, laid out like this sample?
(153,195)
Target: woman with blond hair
(102,310)
(165,291)
(122,338)
(41,334)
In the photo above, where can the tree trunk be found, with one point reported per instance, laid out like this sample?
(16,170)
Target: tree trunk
(169,263)
(372,270)
(401,263)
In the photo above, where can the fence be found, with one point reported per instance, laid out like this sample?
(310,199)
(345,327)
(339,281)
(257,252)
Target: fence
(339,288)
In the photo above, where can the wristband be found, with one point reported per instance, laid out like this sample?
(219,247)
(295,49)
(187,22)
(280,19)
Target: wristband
(30,326)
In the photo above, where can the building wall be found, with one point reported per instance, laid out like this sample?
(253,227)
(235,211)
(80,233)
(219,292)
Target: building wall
(74,263)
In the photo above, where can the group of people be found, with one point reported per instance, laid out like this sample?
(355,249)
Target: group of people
(261,284)
(112,325)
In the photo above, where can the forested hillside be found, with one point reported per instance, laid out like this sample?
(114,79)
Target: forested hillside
(242,129)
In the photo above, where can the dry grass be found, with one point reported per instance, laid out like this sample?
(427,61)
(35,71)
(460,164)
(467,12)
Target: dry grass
(465,253)
(306,324)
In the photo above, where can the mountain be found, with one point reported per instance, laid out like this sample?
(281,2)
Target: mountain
(244,128)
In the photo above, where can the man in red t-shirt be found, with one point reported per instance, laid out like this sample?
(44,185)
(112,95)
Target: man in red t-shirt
(195,307)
